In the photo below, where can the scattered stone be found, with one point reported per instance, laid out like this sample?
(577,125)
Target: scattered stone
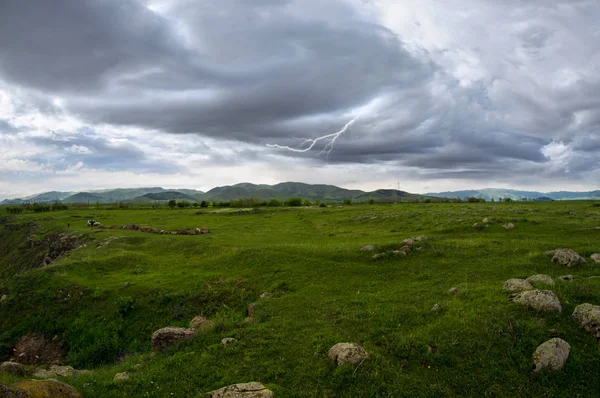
(436,308)
(242,390)
(517,285)
(475,225)
(595,257)
(164,337)
(228,340)
(588,317)
(13,368)
(63,371)
(3,298)
(399,253)
(125,284)
(367,248)
(266,295)
(204,230)
(566,257)
(408,242)
(343,353)
(453,290)
(48,389)
(252,309)
(36,349)
(540,278)
(201,324)
(555,332)
(552,354)
(485,220)
(567,278)
(377,255)
(508,226)
(539,300)
(121,376)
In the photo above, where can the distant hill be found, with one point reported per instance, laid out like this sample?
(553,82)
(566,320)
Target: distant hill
(388,195)
(164,196)
(496,194)
(85,197)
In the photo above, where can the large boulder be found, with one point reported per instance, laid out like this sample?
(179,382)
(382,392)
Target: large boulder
(540,279)
(539,300)
(242,390)
(7,391)
(552,354)
(566,257)
(36,349)
(588,317)
(516,285)
(201,324)
(47,389)
(164,337)
(13,368)
(343,353)
(595,257)
(566,278)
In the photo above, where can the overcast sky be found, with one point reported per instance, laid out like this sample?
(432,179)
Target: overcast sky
(443,94)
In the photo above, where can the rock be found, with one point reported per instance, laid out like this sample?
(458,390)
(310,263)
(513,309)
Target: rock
(539,300)
(343,353)
(48,389)
(508,226)
(377,255)
(204,230)
(36,349)
(568,278)
(63,371)
(485,220)
(242,390)
(266,295)
(401,253)
(475,225)
(420,238)
(125,284)
(555,332)
(252,309)
(11,392)
(405,249)
(552,354)
(121,376)
(13,368)
(164,337)
(201,324)
(517,285)
(367,248)
(588,317)
(408,242)
(453,290)
(566,257)
(595,257)
(436,308)
(3,298)
(540,278)
(228,340)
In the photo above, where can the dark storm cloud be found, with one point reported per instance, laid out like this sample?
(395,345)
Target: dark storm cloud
(273,71)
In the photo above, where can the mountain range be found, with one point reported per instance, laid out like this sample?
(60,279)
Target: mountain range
(497,193)
(282,191)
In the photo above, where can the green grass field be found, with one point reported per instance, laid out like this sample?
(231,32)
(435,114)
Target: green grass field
(325,290)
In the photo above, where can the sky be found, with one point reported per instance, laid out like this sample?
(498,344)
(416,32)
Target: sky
(421,95)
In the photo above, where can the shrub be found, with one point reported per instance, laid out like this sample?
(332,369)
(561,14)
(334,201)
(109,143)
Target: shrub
(274,203)
(347,201)
(294,202)
(172,203)
(306,202)
(183,204)
(371,201)
(204,203)
(125,305)
(322,205)
(427,200)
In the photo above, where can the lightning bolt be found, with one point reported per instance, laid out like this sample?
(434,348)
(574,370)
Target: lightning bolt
(329,139)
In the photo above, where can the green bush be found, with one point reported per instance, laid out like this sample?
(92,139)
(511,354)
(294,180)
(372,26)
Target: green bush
(125,305)
(294,202)
(274,203)
(347,201)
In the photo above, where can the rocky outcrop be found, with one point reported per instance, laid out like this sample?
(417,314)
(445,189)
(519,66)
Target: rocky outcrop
(516,285)
(595,257)
(538,300)
(36,349)
(121,376)
(347,353)
(47,389)
(13,368)
(552,355)
(164,337)
(242,390)
(7,391)
(201,324)
(566,257)
(63,371)
(587,316)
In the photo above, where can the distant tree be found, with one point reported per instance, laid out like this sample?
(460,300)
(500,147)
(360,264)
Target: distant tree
(294,202)
(347,201)
(306,202)
(371,201)
(274,203)
(427,200)
(172,203)
(322,204)
(183,204)
(508,200)
(204,203)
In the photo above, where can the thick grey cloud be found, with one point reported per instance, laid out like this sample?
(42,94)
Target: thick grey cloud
(472,89)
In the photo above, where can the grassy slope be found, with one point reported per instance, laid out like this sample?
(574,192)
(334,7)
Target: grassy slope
(327,291)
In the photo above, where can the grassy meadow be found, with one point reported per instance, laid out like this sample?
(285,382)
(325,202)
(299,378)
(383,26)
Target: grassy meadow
(105,302)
